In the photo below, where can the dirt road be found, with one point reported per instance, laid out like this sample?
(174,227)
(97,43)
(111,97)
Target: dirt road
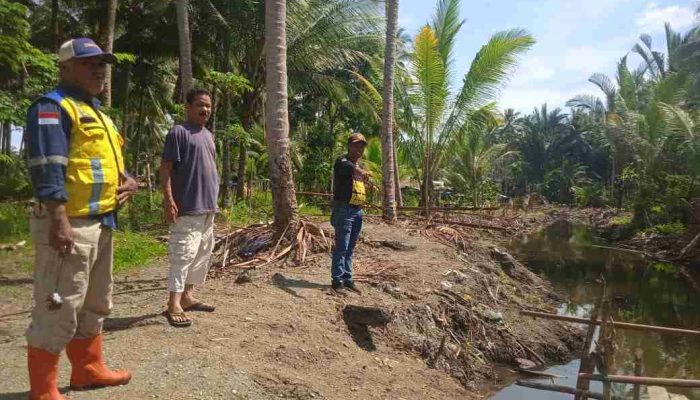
(283,334)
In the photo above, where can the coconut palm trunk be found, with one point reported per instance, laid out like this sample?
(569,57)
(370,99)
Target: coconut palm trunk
(277,118)
(54,26)
(389,201)
(185,44)
(108,46)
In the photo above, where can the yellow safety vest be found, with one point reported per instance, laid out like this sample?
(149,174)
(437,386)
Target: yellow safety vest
(95,161)
(359,193)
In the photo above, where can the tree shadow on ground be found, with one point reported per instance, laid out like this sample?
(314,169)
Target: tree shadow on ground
(122,324)
(16,281)
(286,284)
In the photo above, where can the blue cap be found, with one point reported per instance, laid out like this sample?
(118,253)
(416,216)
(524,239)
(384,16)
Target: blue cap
(83,48)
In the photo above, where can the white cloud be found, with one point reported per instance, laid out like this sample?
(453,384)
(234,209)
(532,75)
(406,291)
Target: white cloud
(654,17)
(587,59)
(533,69)
(526,98)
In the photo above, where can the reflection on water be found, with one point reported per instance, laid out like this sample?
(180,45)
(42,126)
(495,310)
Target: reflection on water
(642,292)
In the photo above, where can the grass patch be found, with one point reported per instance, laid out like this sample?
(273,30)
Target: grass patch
(14,222)
(624,219)
(133,250)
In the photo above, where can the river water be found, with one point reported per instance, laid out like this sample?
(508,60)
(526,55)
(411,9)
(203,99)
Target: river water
(642,292)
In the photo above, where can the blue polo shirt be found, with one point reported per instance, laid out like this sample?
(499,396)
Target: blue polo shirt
(47,140)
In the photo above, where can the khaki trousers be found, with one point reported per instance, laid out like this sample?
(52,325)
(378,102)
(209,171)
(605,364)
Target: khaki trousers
(83,278)
(189,250)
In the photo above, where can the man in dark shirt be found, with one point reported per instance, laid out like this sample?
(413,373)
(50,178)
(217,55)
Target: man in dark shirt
(349,195)
(190,189)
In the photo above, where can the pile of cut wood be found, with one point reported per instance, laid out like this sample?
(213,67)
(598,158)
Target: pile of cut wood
(256,246)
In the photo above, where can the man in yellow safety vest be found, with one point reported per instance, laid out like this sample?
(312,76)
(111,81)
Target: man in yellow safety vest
(76,167)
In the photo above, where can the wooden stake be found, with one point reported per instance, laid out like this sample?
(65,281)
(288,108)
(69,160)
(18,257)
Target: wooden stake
(638,372)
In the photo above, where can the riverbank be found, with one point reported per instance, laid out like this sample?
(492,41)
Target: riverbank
(453,302)
(573,257)
(668,244)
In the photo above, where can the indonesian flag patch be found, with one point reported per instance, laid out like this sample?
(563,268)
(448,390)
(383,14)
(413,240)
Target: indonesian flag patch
(48,118)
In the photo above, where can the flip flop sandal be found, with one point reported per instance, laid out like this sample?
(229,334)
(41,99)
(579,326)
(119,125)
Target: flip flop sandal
(200,307)
(178,324)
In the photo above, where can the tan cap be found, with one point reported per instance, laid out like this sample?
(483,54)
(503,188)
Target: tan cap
(357,137)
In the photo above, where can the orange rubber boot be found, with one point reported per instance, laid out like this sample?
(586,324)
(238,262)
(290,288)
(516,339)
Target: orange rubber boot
(43,368)
(89,369)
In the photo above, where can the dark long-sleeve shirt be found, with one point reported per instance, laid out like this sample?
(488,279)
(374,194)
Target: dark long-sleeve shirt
(47,139)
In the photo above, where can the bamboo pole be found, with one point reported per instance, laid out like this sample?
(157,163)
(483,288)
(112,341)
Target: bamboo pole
(643,380)
(620,325)
(447,208)
(584,394)
(637,372)
(586,364)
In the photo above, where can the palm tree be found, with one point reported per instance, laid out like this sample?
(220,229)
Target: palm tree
(389,198)
(183,33)
(277,119)
(476,153)
(327,41)
(432,116)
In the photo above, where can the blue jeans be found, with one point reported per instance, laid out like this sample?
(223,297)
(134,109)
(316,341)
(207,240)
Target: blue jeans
(347,221)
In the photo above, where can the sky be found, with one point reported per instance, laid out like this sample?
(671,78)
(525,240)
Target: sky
(574,40)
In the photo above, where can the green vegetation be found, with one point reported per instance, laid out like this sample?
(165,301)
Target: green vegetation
(673,228)
(14,221)
(635,148)
(133,250)
(625,219)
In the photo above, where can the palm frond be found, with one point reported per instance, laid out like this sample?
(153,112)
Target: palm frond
(430,72)
(446,25)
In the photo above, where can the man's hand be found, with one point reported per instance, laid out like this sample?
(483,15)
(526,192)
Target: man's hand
(60,232)
(365,173)
(170,209)
(126,190)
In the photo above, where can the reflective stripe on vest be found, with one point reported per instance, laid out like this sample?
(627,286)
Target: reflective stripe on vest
(95,161)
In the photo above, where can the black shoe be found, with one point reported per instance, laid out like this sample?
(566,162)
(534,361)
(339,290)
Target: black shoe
(350,285)
(337,285)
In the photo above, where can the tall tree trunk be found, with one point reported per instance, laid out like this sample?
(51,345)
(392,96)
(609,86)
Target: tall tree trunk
(277,118)
(127,96)
(7,137)
(108,47)
(183,33)
(389,198)
(54,25)
(226,153)
(397,178)
(242,160)
(137,136)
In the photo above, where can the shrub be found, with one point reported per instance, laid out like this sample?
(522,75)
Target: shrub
(673,228)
